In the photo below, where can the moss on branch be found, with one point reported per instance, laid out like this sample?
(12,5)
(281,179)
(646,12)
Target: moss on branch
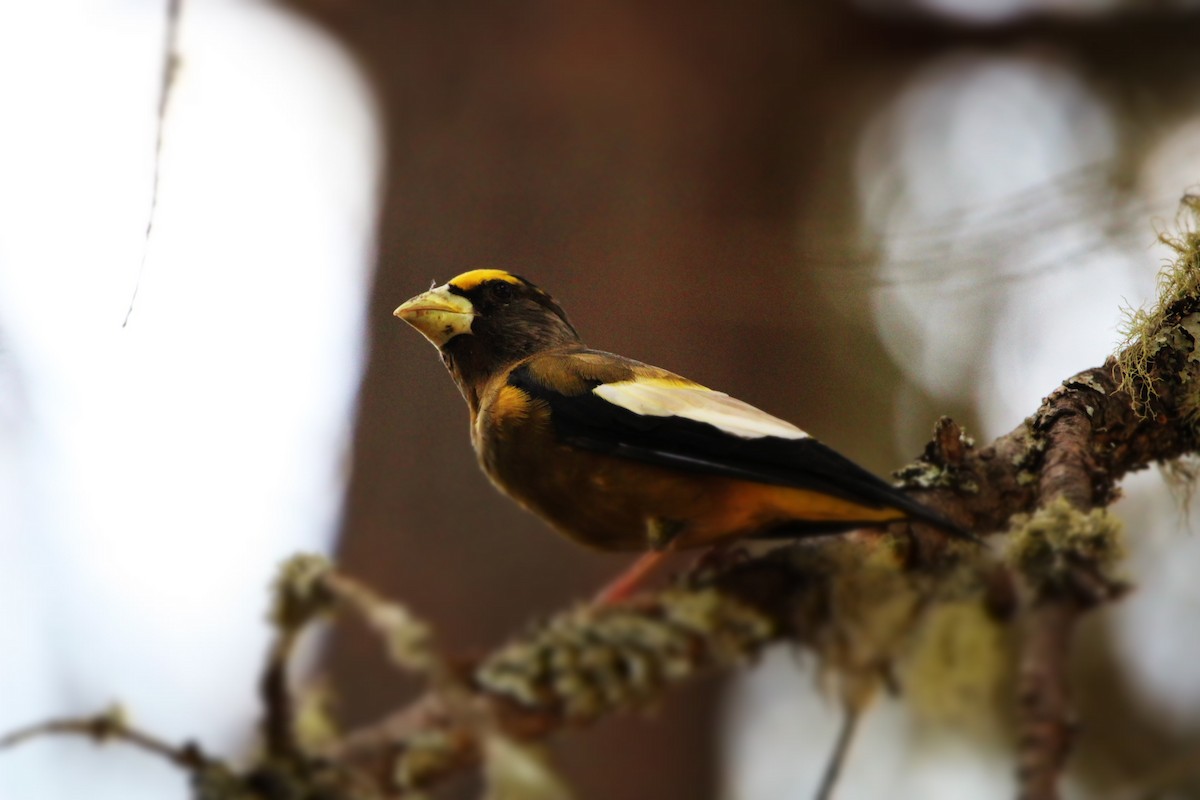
(950,624)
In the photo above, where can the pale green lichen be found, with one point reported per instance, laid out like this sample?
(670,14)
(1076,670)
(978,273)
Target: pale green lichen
(1180,476)
(926,475)
(592,660)
(314,719)
(959,667)
(930,470)
(1028,459)
(427,753)
(519,771)
(216,782)
(1088,380)
(409,640)
(1172,322)
(1046,544)
(873,604)
(299,593)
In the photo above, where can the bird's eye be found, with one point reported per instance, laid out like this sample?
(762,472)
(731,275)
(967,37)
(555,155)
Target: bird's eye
(503,292)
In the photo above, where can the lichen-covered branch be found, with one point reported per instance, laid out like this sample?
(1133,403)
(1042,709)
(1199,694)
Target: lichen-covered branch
(868,605)
(858,602)
(1068,559)
(112,726)
(1141,407)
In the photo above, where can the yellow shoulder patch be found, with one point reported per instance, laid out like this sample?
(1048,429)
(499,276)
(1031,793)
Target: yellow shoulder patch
(653,376)
(469,280)
(512,405)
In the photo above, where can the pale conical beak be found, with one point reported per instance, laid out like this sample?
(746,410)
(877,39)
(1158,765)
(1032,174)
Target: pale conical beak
(438,314)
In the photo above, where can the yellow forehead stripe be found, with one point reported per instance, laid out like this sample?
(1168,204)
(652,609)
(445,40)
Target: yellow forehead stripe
(469,280)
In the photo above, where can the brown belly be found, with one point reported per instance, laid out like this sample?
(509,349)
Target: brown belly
(614,503)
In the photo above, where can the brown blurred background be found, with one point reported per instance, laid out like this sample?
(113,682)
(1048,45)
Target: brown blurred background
(686,179)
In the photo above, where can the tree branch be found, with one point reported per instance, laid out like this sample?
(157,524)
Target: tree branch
(857,601)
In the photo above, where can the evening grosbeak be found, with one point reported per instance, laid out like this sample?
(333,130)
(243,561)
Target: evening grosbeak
(619,455)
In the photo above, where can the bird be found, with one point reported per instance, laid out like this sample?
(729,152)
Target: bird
(616,454)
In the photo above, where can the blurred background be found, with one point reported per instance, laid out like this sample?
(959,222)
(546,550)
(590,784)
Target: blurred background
(858,216)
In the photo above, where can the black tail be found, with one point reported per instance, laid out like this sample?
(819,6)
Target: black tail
(927,515)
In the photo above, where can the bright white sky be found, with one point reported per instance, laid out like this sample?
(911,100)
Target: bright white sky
(152,477)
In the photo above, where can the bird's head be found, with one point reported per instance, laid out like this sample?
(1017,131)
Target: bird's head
(486,320)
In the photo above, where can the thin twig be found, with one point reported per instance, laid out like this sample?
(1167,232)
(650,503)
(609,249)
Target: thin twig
(110,725)
(278,722)
(1043,699)
(170,67)
(841,748)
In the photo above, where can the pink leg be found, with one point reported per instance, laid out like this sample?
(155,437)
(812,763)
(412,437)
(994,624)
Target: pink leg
(631,579)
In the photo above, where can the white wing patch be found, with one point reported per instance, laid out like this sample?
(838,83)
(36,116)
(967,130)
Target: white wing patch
(663,399)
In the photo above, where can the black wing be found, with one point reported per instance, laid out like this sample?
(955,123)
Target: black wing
(661,419)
